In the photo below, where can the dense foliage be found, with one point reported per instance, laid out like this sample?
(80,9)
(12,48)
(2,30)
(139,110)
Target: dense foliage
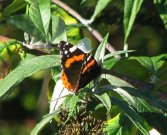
(129,98)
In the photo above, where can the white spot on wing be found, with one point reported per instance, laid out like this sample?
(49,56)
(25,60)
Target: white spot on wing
(89,58)
(73,49)
(65,52)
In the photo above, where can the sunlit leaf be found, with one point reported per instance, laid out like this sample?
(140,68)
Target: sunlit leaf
(42,123)
(132,114)
(40,15)
(113,126)
(143,102)
(27,69)
(105,99)
(119,125)
(7,44)
(24,22)
(136,100)
(161,5)
(99,56)
(117,53)
(72,103)
(115,81)
(72,31)
(131,9)
(147,63)
(58,30)
(156,67)
(101,4)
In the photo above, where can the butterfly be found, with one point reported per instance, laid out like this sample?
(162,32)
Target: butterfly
(78,68)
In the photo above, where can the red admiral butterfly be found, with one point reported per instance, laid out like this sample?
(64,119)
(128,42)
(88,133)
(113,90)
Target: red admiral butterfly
(78,68)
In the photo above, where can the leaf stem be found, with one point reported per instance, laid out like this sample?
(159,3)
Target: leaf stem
(85,22)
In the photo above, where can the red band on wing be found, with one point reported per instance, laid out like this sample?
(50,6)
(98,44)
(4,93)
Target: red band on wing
(88,66)
(65,81)
(73,59)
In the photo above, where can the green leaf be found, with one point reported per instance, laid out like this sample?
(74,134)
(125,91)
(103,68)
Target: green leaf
(105,99)
(67,101)
(162,8)
(148,101)
(55,72)
(160,66)
(131,9)
(24,22)
(101,4)
(15,6)
(27,69)
(99,56)
(117,53)
(131,68)
(47,118)
(137,101)
(109,63)
(119,125)
(113,126)
(152,63)
(7,44)
(156,67)
(155,101)
(132,114)
(40,14)
(71,101)
(115,81)
(72,31)
(58,30)
(147,63)
(40,125)
(142,102)
(72,104)
(158,63)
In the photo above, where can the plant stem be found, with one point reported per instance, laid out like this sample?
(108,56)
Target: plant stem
(85,22)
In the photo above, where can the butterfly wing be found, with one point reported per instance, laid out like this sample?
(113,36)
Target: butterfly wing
(71,61)
(89,71)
